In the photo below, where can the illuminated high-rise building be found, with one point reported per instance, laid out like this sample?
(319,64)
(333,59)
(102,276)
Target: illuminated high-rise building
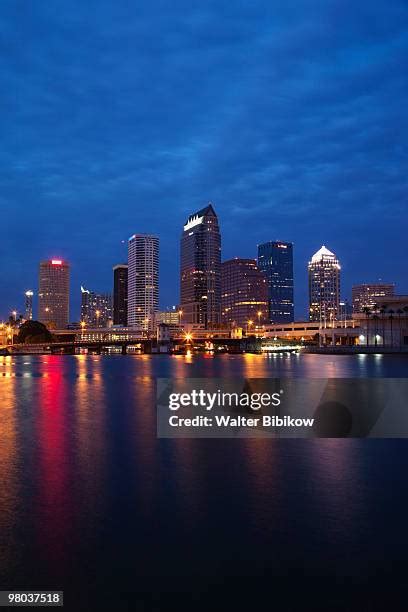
(143,281)
(244,294)
(275,260)
(29,305)
(120,294)
(96,308)
(367,295)
(171,316)
(53,293)
(324,286)
(200,269)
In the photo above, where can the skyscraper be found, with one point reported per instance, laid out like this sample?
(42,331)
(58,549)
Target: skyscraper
(120,294)
(53,294)
(275,260)
(143,280)
(200,268)
(29,305)
(367,295)
(96,308)
(324,286)
(244,294)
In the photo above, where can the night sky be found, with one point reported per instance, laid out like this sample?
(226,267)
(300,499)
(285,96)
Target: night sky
(125,117)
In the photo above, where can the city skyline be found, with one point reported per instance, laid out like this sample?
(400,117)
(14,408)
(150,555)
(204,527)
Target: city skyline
(344,294)
(290,121)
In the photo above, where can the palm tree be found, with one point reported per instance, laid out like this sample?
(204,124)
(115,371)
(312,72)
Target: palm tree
(375,317)
(399,313)
(383,310)
(367,312)
(405,309)
(391,317)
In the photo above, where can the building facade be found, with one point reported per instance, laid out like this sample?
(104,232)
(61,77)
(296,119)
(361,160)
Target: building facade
(275,260)
(200,269)
(96,308)
(367,295)
(169,317)
(387,325)
(324,286)
(143,281)
(120,294)
(53,293)
(28,304)
(244,294)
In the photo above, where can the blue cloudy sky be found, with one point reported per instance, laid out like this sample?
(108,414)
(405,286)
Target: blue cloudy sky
(124,117)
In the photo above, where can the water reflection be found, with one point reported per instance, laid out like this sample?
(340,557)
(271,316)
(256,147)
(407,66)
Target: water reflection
(140,423)
(82,472)
(262,465)
(54,510)
(90,437)
(9,467)
(335,477)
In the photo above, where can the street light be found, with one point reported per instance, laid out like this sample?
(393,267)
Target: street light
(10,335)
(259,314)
(98,314)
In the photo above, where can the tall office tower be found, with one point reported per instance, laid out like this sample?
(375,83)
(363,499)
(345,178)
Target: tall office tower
(200,269)
(143,281)
(96,308)
(53,293)
(324,286)
(366,296)
(275,260)
(120,294)
(28,305)
(244,294)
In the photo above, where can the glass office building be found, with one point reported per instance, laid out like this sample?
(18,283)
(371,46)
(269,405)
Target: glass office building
(120,294)
(275,260)
(200,269)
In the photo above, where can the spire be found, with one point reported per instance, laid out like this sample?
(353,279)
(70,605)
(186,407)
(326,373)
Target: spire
(321,254)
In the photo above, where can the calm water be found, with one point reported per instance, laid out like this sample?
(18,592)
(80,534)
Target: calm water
(92,503)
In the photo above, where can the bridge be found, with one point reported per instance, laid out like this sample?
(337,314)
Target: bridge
(146,345)
(72,347)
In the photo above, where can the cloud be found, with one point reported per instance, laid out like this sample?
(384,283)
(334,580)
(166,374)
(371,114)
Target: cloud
(120,118)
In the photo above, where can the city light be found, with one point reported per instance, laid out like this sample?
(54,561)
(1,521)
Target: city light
(56,262)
